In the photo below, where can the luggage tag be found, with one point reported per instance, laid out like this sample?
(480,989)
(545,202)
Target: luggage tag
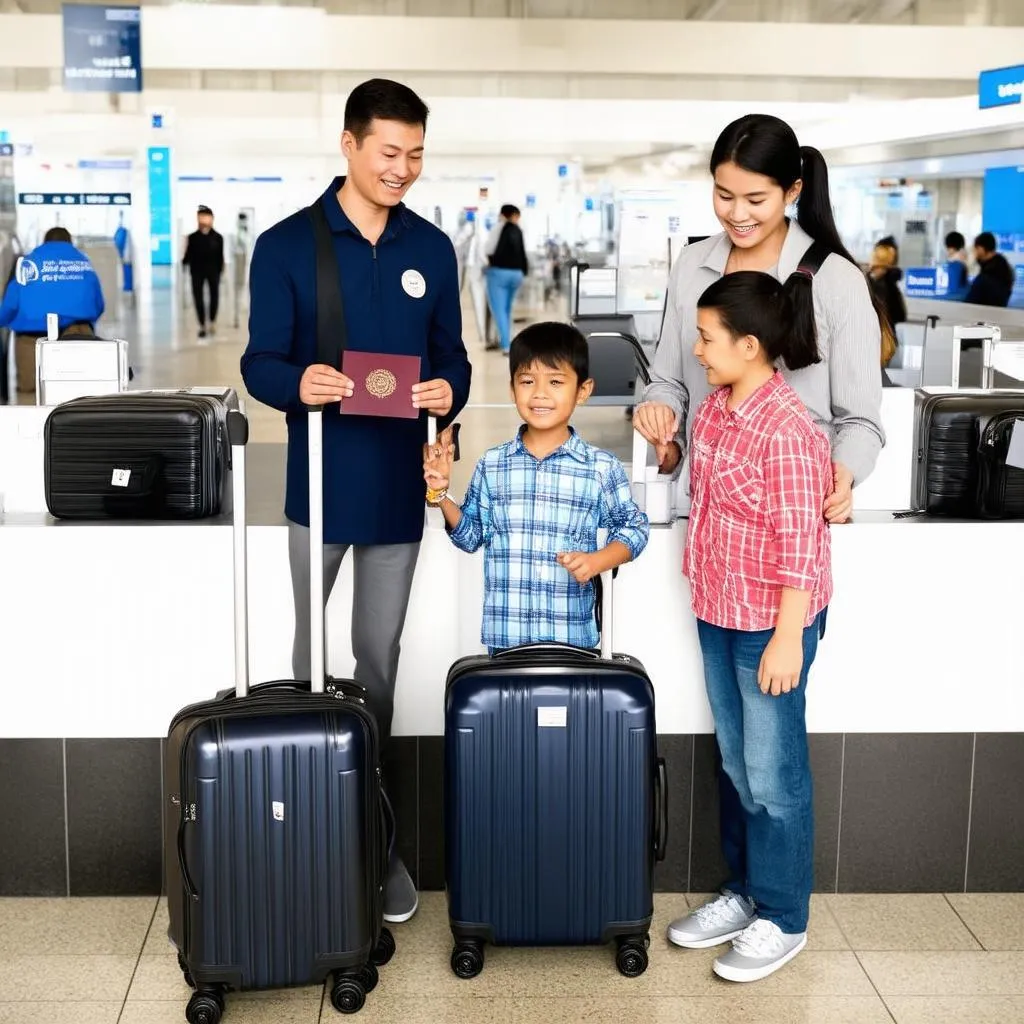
(1015,453)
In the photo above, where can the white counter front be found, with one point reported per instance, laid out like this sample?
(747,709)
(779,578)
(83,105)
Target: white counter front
(109,629)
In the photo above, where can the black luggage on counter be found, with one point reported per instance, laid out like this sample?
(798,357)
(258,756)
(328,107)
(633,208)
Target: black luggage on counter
(139,455)
(276,827)
(555,802)
(963,438)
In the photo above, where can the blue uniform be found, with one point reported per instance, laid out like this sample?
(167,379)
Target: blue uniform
(373,466)
(54,278)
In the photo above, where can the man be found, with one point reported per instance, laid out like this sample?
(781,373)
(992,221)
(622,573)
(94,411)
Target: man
(994,284)
(508,266)
(204,256)
(54,278)
(401,295)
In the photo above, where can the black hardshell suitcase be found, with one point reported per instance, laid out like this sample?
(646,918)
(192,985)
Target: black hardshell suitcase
(277,830)
(962,442)
(139,455)
(555,801)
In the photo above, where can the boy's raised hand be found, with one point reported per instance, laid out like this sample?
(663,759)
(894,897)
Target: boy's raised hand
(437,460)
(581,565)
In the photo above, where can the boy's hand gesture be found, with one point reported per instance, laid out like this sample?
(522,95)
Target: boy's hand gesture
(582,566)
(437,460)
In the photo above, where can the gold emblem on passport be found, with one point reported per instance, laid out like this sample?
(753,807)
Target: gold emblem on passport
(381,383)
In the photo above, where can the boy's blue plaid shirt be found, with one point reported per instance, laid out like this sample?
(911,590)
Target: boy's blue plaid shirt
(527,512)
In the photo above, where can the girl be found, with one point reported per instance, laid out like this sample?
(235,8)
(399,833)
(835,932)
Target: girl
(759,170)
(758,560)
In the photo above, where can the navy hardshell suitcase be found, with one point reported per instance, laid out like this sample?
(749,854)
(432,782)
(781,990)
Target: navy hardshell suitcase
(277,830)
(555,802)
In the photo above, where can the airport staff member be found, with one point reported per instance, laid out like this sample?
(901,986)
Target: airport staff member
(400,288)
(54,278)
(760,169)
(204,257)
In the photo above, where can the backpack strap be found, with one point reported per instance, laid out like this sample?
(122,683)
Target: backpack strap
(811,261)
(331,329)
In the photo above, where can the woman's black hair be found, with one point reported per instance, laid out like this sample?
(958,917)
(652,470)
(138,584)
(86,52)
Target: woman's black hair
(749,302)
(766,145)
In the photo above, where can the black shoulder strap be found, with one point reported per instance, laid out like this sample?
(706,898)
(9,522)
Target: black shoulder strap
(331,331)
(811,261)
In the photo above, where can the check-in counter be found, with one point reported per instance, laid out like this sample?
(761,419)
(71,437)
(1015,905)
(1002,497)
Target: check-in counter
(915,704)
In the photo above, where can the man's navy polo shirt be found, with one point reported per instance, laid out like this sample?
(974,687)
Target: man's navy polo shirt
(373,466)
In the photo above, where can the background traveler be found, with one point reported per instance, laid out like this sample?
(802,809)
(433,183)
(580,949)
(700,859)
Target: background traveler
(508,266)
(204,257)
(400,285)
(994,284)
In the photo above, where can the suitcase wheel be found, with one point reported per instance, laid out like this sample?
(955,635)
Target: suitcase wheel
(204,1008)
(348,994)
(369,977)
(468,959)
(631,956)
(385,949)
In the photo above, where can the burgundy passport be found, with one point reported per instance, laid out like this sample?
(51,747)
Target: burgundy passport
(383,384)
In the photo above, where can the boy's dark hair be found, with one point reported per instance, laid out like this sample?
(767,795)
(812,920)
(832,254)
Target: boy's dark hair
(57,235)
(780,316)
(204,209)
(508,210)
(954,240)
(551,344)
(380,99)
(986,241)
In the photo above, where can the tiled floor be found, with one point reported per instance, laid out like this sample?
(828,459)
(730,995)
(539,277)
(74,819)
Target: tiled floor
(909,959)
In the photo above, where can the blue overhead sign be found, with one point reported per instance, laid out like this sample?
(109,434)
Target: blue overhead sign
(74,199)
(1001,87)
(102,48)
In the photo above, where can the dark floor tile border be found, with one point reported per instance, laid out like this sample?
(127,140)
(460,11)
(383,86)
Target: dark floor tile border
(961,789)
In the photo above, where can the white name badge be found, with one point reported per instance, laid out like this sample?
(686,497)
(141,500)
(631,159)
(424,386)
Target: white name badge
(414,284)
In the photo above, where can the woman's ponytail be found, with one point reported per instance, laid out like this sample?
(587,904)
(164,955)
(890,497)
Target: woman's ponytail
(814,207)
(798,341)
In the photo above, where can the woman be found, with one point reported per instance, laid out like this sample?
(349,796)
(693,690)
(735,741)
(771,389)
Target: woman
(759,170)
(884,276)
(507,268)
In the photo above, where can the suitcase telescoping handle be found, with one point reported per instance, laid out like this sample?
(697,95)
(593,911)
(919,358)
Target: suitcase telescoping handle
(317,630)
(238,438)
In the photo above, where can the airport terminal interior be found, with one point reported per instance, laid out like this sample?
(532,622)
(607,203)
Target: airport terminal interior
(133,126)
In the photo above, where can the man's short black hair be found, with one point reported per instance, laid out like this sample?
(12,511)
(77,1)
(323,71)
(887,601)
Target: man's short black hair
(986,241)
(954,240)
(508,211)
(57,235)
(551,344)
(380,99)
(202,210)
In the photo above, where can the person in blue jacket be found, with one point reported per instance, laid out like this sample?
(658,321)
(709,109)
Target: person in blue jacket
(400,288)
(53,278)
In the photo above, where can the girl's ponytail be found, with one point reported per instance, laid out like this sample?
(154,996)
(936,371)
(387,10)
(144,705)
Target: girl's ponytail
(798,341)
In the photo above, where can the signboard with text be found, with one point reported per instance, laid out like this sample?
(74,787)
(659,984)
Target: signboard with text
(102,48)
(1000,87)
(74,199)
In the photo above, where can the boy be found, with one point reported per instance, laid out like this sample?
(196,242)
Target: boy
(536,503)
